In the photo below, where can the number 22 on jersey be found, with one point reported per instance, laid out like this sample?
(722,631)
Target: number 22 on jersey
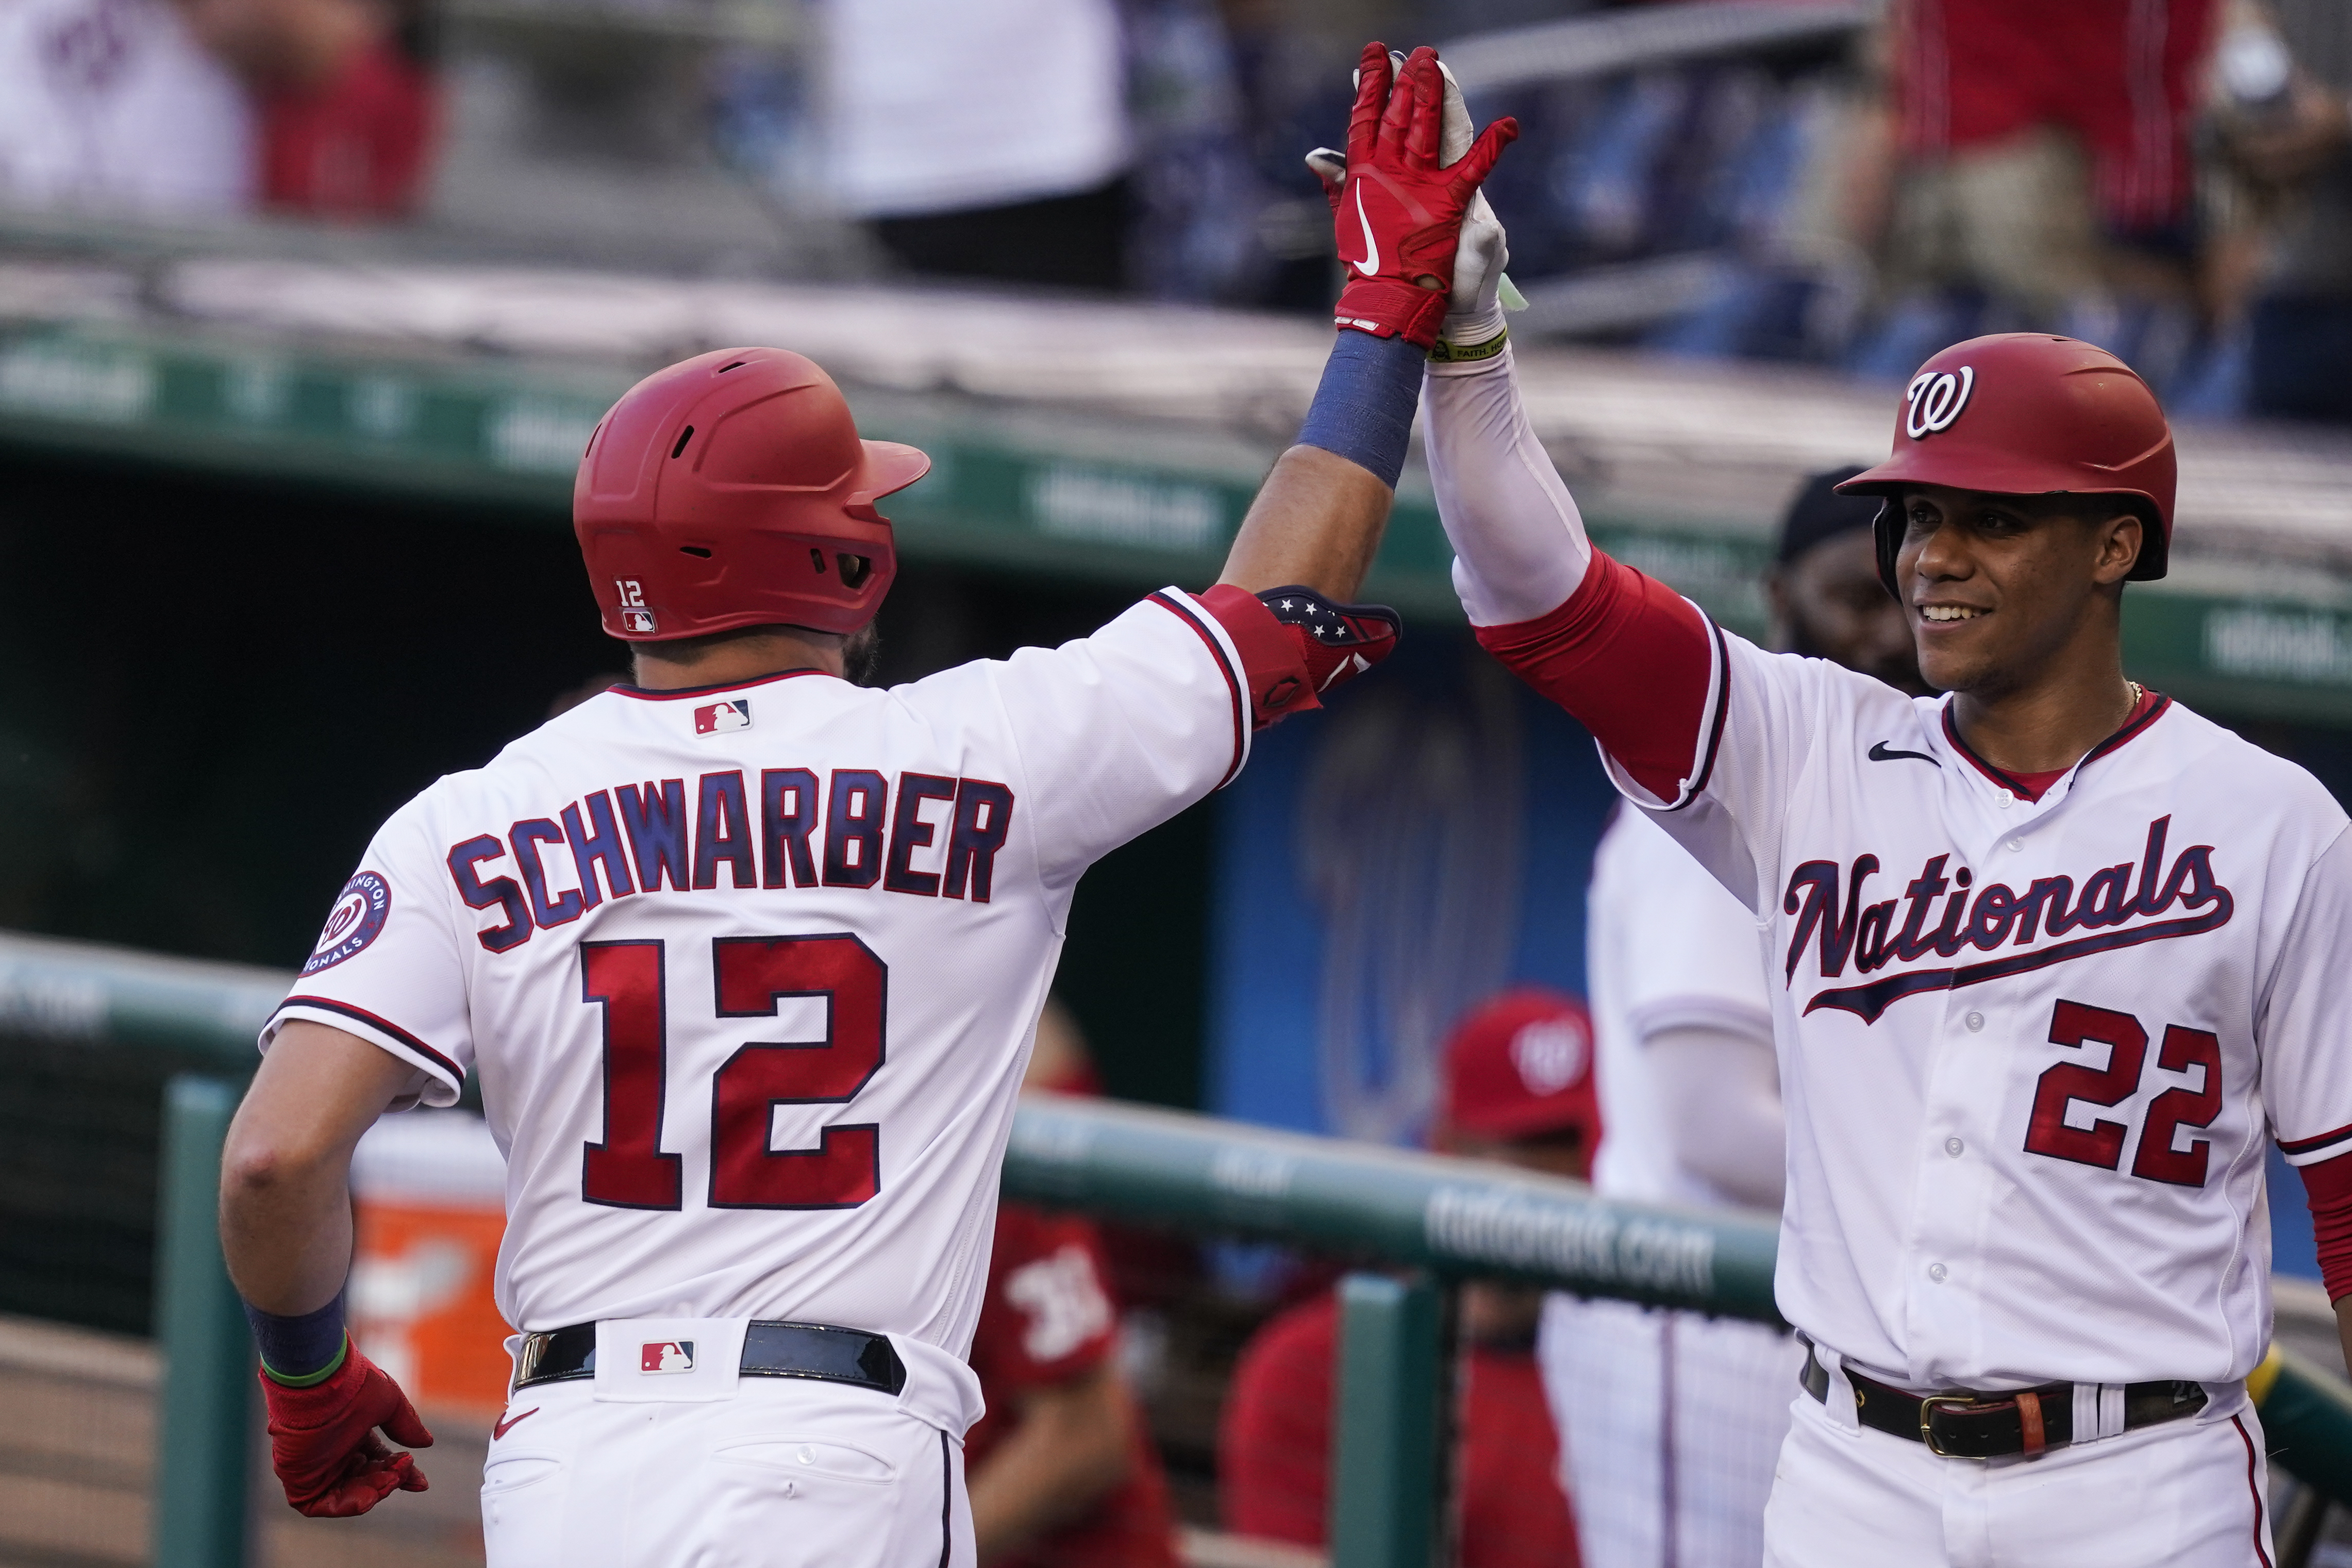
(628,980)
(2077,1024)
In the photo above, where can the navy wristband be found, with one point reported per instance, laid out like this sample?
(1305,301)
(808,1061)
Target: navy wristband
(300,1350)
(1363,409)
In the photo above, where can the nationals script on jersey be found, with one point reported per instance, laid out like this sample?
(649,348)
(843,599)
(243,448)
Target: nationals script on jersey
(749,973)
(2031,1048)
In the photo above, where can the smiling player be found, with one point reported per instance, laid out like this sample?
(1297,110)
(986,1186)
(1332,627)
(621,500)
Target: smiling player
(2053,957)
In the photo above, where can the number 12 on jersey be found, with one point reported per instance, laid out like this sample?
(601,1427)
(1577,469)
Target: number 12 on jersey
(628,982)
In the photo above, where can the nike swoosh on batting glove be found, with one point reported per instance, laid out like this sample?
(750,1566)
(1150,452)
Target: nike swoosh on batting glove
(1399,218)
(323,1443)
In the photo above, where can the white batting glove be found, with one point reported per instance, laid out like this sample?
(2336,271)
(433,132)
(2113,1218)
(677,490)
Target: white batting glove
(1474,310)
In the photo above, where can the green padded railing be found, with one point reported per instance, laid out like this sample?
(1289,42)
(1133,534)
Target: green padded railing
(1433,1219)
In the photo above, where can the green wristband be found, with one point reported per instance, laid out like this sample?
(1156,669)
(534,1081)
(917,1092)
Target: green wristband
(312,1379)
(1443,353)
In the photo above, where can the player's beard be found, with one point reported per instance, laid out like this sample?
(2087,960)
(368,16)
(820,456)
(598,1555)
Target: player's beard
(861,655)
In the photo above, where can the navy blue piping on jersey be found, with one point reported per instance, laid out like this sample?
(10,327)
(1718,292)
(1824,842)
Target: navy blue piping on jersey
(456,1073)
(672,694)
(1233,682)
(1867,1002)
(2306,1145)
(2156,711)
(1715,729)
(947,1502)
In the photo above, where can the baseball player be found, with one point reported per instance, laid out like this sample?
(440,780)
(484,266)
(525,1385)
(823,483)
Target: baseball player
(1676,1418)
(747,958)
(2052,956)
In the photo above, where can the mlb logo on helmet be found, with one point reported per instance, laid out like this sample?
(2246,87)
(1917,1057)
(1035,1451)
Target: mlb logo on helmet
(714,716)
(665,1355)
(637,620)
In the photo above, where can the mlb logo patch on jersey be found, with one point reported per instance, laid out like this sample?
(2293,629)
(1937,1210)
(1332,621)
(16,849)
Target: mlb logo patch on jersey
(717,716)
(665,1355)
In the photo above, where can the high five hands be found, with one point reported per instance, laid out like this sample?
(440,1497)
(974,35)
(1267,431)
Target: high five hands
(1399,211)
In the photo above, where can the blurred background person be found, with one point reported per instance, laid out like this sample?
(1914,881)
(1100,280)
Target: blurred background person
(2284,118)
(1519,1091)
(983,141)
(116,106)
(1061,1471)
(2045,170)
(1675,1420)
(346,110)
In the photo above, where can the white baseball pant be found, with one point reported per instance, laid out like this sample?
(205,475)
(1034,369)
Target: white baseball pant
(1670,1424)
(785,1473)
(2193,1493)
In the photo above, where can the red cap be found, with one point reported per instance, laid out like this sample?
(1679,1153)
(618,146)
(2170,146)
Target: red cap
(1521,1065)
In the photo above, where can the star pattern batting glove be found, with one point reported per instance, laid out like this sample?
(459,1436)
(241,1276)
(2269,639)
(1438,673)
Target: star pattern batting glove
(1296,644)
(323,1442)
(1399,218)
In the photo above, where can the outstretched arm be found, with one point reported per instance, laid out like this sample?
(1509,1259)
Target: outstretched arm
(1311,535)
(1317,522)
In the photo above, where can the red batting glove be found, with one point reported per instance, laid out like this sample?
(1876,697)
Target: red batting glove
(322,1440)
(1399,217)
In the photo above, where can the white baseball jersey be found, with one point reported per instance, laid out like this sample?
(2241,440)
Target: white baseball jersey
(749,973)
(1665,948)
(110,104)
(2029,1047)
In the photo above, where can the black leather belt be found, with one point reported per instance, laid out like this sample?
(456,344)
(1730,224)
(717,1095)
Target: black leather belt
(770,1349)
(1989,1427)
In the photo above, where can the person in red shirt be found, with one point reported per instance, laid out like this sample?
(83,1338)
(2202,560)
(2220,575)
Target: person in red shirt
(1061,1471)
(348,117)
(1518,1088)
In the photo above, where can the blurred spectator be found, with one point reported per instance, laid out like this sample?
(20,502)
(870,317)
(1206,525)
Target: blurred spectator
(1675,1420)
(2286,121)
(2046,151)
(1827,599)
(1519,1091)
(1060,1470)
(114,105)
(984,140)
(347,115)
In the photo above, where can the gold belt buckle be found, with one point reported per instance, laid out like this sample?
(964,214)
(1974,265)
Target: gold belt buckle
(1926,1420)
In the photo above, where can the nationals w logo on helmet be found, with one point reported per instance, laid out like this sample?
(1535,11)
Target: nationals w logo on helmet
(1935,400)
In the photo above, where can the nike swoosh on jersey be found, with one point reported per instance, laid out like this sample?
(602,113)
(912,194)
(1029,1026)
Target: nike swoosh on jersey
(506,1424)
(1881,752)
(1372,261)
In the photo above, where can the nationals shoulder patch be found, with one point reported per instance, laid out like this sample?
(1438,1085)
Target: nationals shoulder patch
(354,922)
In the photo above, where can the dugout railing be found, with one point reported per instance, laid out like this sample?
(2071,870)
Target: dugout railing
(1420,1223)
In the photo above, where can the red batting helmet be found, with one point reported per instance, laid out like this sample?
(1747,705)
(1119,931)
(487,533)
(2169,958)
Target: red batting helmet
(1519,1066)
(2027,413)
(731,490)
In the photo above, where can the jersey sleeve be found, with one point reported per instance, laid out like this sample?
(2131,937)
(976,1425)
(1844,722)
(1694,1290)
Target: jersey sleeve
(1118,732)
(1692,957)
(1048,1317)
(388,966)
(2306,1018)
